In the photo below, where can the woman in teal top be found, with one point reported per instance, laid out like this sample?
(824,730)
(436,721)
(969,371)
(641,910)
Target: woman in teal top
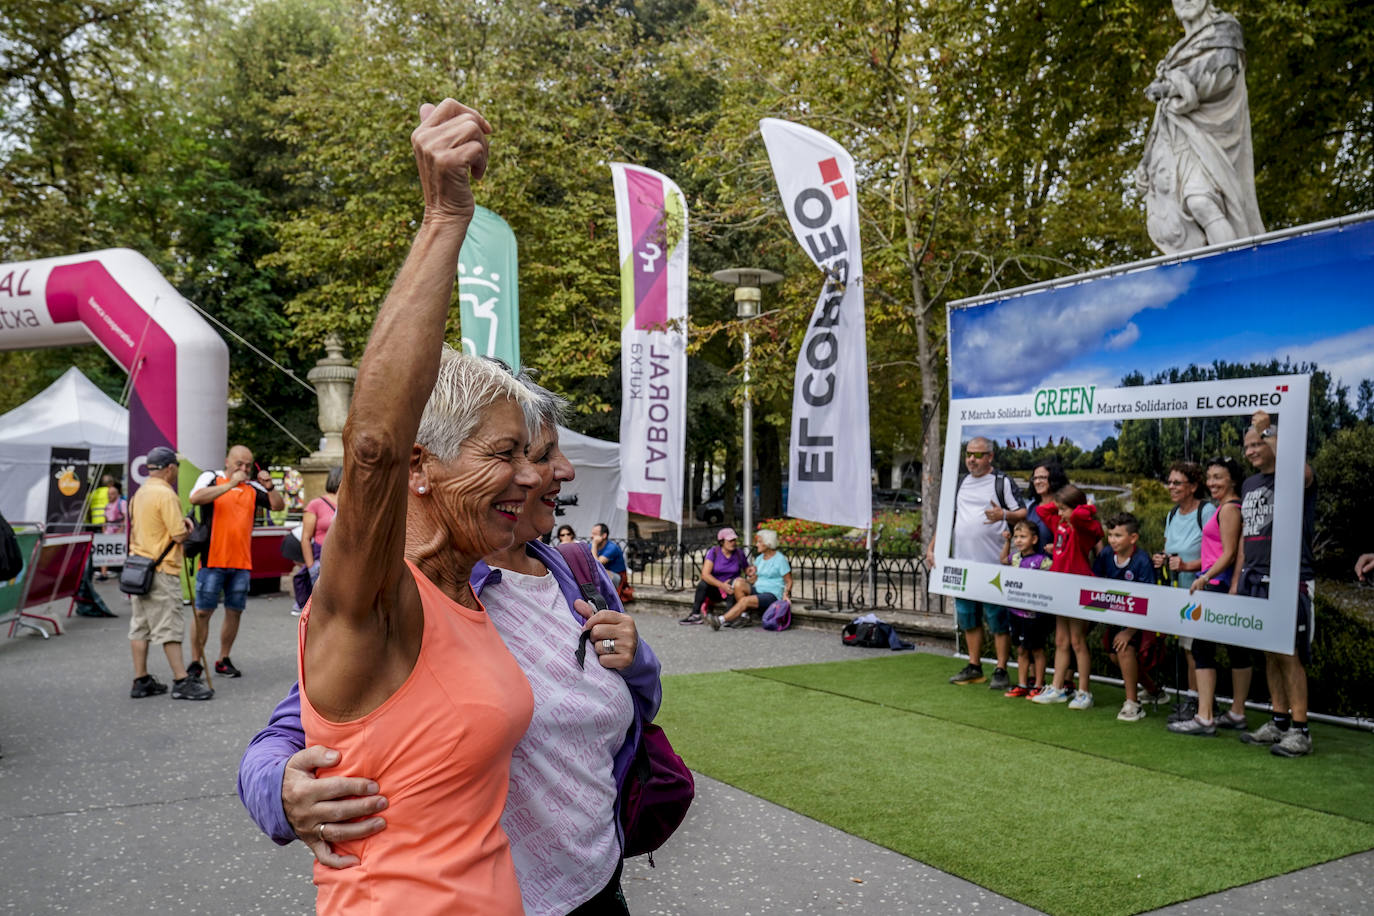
(768,579)
(1181,559)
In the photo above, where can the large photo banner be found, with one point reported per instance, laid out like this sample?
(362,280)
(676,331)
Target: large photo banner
(1120,373)
(830,466)
(1067,412)
(651,226)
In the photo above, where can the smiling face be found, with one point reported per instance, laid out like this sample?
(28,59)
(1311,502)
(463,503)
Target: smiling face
(1179,486)
(1258,451)
(1040,480)
(1218,482)
(553,469)
(481,495)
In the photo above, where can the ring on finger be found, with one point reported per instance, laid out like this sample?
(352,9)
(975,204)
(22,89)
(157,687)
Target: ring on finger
(319,832)
(608,645)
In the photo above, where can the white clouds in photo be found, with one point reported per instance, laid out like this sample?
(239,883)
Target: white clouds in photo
(1348,358)
(1016,345)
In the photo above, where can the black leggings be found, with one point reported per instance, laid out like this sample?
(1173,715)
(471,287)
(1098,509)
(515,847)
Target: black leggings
(706,594)
(609,901)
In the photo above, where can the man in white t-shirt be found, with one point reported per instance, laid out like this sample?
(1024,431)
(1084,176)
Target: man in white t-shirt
(981,514)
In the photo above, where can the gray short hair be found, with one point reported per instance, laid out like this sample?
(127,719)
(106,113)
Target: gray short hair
(466,386)
(552,407)
(768,536)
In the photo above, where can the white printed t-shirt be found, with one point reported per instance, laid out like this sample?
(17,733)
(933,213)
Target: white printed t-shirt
(974,538)
(560,813)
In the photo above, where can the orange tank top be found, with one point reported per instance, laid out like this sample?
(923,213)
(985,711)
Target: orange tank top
(440,749)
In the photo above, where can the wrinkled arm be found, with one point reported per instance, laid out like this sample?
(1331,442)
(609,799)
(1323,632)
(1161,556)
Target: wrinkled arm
(264,762)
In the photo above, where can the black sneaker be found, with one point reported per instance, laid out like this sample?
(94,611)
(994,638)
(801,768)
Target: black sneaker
(226,668)
(191,688)
(742,622)
(693,619)
(146,686)
(969,674)
(999,681)
(195,670)
(714,620)
(1184,710)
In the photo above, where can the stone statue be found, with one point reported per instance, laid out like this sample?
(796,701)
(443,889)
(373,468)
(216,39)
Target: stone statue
(1198,171)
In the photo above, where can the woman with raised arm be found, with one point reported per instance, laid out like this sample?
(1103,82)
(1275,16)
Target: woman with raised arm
(400,668)
(569,771)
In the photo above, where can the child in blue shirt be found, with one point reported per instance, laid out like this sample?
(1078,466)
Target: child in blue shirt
(1127,562)
(1029,629)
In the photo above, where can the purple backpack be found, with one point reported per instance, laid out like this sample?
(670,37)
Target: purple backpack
(778,617)
(658,788)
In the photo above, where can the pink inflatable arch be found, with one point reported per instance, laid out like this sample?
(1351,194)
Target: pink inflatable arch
(117,299)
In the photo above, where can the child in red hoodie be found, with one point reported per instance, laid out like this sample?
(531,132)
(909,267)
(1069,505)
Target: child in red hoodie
(1076,532)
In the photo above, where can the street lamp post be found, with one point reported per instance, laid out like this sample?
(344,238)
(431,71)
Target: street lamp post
(747,282)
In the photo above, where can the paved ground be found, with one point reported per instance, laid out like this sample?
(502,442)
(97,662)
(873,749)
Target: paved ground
(115,806)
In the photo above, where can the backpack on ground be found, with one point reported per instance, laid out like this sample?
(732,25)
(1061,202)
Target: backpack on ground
(11,557)
(659,788)
(778,617)
(868,632)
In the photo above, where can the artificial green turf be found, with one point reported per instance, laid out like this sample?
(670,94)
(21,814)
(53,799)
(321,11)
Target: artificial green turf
(1058,828)
(1338,777)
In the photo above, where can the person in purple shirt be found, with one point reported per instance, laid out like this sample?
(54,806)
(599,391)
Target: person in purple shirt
(560,870)
(723,564)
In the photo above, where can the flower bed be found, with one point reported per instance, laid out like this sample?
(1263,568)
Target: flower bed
(899,535)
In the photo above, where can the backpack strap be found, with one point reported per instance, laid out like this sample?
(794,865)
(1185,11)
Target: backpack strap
(578,556)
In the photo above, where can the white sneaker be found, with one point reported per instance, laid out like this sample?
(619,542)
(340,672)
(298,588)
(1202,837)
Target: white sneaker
(1082,700)
(1131,711)
(1050,695)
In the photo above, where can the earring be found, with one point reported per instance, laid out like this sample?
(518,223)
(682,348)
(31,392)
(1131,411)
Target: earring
(420,490)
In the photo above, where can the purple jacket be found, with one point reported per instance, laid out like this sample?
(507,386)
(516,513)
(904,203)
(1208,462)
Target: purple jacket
(264,762)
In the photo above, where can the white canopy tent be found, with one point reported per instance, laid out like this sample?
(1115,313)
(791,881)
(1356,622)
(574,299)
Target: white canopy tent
(598,478)
(70,413)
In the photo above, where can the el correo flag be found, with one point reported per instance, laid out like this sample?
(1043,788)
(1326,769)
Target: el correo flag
(651,223)
(488,289)
(829,471)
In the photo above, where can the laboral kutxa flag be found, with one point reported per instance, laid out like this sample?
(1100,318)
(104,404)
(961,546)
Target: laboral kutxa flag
(651,222)
(829,471)
(488,289)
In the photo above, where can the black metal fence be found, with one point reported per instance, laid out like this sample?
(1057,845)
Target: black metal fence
(822,578)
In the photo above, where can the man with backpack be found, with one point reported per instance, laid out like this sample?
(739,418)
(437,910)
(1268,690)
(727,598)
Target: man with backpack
(986,503)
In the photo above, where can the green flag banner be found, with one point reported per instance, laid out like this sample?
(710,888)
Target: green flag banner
(488,289)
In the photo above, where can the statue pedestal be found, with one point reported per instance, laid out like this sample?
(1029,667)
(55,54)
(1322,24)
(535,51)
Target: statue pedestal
(333,379)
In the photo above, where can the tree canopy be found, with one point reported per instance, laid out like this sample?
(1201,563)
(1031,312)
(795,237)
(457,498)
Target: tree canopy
(257,153)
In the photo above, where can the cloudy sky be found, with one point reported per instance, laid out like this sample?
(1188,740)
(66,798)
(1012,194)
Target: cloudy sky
(1307,298)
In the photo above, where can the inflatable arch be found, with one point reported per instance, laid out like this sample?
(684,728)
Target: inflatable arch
(116,298)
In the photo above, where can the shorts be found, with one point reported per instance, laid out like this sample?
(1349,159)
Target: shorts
(972,614)
(1257,586)
(212,580)
(157,616)
(1030,633)
(1109,637)
(765,599)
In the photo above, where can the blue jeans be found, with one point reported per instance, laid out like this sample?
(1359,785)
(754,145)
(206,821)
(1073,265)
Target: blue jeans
(210,581)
